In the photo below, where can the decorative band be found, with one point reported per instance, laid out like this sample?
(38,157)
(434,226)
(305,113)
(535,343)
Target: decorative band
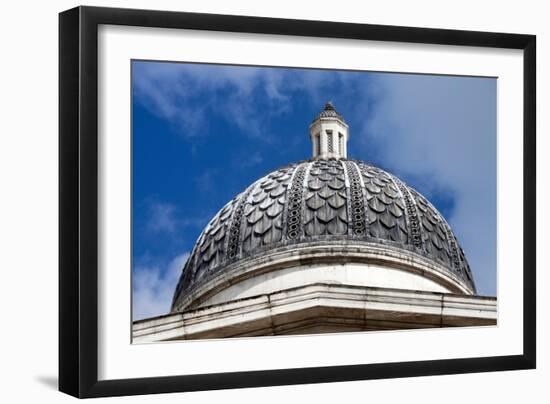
(294,210)
(357,199)
(413,215)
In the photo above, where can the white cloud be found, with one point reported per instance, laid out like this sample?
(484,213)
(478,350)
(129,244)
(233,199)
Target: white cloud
(162,217)
(165,218)
(442,131)
(153,287)
(170,90)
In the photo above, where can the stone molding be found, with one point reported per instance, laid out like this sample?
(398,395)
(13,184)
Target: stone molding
(319,253)
(320,308)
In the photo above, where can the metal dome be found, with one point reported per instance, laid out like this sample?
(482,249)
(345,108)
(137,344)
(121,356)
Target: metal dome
(322,200)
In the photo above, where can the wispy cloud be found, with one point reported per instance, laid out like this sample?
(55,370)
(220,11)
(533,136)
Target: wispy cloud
(165,217)
(248,97)
(206,181)
(162,217)
(249,160)
(153,287)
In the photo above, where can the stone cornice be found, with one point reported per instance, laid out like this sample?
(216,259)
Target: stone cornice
(321,306)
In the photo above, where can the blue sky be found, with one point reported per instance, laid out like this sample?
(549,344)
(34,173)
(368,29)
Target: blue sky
(202,133)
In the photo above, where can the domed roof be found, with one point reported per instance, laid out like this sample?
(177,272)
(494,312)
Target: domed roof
(323,200)
(329,112)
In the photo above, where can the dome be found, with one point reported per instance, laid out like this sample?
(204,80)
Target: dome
(339,202)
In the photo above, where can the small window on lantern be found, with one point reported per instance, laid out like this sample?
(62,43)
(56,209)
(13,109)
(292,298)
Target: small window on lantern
(330,141)
(317,143)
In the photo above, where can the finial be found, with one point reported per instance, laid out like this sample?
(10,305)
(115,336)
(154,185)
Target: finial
(329,106)
(329,112)
(329,134)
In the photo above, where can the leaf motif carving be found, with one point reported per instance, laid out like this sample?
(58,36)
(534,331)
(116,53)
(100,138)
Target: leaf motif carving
(259,198)
(387,220)
(336,201)
(314,202)
(385,208)
(274,210)
(254,216)
(372,188)
(315,184)
(277,192)
(336,184)
(337,226)
(326,200)
(396,210)
(434,232)
(325,192)
(266,203)
(264,218)
(376,205)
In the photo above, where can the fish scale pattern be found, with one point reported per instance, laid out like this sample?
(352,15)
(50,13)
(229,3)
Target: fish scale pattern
(263,212)
(210,248)
(323,200)
(326,210)
(438,242)
(385,206)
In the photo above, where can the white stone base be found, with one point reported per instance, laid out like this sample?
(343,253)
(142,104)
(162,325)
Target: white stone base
(320,308)
(338,262)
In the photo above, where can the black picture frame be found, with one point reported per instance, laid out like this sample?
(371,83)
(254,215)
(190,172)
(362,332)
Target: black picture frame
(78,201)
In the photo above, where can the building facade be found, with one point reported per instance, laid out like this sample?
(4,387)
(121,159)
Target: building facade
(328,244)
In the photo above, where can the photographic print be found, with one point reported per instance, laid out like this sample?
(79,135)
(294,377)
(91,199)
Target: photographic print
(316,196)
(272,201)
